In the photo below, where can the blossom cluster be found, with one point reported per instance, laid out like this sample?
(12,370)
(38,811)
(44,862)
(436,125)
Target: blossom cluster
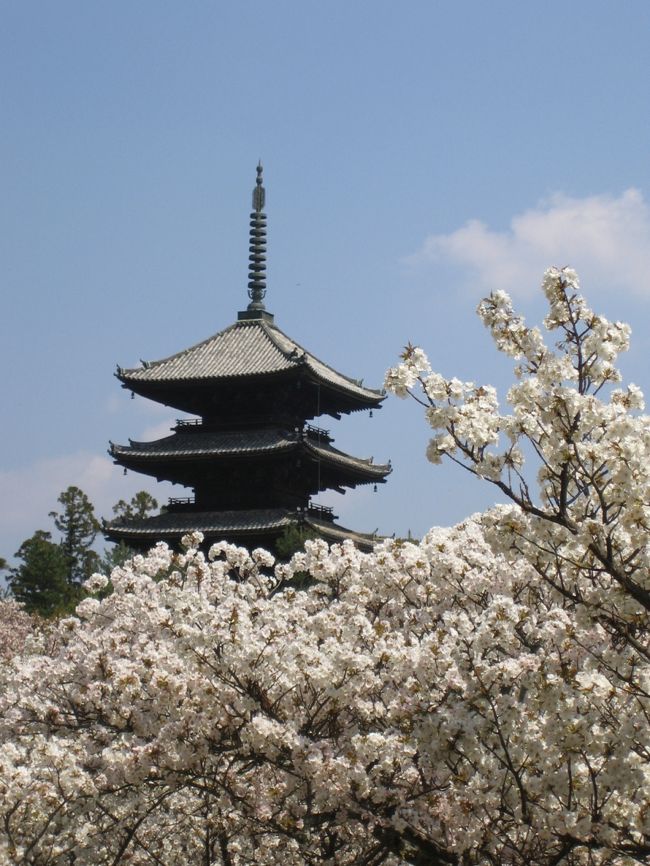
(585,512)
(16,627)
(428,702)
(479,698)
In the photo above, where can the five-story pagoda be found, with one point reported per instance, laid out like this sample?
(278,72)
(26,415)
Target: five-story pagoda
(250,455)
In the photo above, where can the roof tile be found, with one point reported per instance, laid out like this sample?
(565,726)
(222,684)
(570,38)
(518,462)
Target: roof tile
(247,348)
(210,443)
(171,525)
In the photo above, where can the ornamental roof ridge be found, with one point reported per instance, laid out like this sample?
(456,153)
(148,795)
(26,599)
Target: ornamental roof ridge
(203,360)
(149,365)
(315,363)
(248,347)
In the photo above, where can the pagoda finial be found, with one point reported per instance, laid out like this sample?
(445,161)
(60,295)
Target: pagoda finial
(259,193)
(257,248)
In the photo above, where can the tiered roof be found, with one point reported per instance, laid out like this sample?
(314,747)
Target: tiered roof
(259,524)
(249,349)
(254,387)
(227,444)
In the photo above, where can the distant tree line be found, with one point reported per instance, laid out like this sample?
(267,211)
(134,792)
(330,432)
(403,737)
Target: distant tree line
(48,579)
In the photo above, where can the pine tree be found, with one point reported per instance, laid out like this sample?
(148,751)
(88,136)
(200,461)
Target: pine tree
(40,582)
(79,526)
(142,504)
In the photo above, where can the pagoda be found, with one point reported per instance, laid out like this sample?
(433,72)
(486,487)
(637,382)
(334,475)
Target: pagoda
(249,454)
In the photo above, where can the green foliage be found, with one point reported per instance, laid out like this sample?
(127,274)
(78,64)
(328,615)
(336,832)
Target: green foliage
(142,505)
(40,582)
(114,556)
(48,580)
(79,526)
(292,540)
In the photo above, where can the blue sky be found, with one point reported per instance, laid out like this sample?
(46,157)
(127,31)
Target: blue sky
(416,155)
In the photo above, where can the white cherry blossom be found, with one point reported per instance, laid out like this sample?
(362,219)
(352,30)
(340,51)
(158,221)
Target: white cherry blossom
(479,698)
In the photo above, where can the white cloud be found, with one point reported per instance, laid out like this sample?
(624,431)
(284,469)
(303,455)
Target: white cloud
(158,431)
(607,240)
(31,492)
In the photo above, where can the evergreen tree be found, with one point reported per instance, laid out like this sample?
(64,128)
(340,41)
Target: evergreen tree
(40,582)
(292,540)
(114,556)
(79,526)
(142,504)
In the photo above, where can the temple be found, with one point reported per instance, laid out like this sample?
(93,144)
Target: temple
(249,454)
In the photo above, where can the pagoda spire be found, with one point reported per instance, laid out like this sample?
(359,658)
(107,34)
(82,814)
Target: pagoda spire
(249,454)
(257,248)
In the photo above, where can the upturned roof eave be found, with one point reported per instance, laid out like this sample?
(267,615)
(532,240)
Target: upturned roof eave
(312,363)
(130,372)
(211,522)
(364,467)
(290,359)
(128,454)
(169,527)
(334,533)
(126,451)
(147,387)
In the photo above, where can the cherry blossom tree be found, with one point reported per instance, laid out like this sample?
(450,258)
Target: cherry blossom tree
(481,697)
(16,626)
(584,525)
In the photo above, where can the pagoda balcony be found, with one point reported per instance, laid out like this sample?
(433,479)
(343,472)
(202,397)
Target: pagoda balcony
(184,423)
(313,432)
(181,503)
(321,512)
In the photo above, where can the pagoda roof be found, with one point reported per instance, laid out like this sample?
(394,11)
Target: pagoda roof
(208,444)
(252,347)
(170,526)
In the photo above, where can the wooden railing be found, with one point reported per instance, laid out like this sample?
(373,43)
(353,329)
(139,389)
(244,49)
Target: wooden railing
(322,511)
(181,500)
(317,432)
